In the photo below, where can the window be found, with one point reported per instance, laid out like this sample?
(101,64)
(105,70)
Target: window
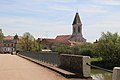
(4,44)
(74,29)
(79,29)
(12,45)
(8,45)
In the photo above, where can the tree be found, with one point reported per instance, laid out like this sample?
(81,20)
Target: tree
(28,43)
(1,34)
(85,49)
(108,47)
(35,46)
(61,48)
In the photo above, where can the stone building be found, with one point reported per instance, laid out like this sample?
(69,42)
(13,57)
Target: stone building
(77,30)
(74,39)
(8,44)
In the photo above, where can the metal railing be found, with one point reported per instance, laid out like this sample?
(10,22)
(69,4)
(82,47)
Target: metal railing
(99,68)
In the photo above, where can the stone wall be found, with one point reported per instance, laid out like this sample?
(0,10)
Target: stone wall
(48,57)
(76,63)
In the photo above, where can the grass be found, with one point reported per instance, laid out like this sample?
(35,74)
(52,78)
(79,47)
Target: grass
(95,59)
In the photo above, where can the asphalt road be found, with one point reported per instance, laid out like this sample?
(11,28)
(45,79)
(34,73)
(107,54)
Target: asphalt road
(13,67)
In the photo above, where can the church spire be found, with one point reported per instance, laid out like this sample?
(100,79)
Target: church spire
(77,19)
(77,30)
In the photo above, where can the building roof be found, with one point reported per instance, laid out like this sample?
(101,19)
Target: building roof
(8,37)
(74,43)
(63,37)
(48,40)
(59,41)
(16,37)
(77,19)
(51,41)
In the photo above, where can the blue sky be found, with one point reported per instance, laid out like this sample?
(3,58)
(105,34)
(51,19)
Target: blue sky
(49,18)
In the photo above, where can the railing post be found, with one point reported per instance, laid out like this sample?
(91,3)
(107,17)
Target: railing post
(86,68)
(116,73)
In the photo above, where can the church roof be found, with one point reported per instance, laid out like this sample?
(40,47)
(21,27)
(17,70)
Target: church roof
(61,41)
(77,19)
(63,37)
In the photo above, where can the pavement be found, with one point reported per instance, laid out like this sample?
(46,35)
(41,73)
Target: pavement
(13,67)
(63,72)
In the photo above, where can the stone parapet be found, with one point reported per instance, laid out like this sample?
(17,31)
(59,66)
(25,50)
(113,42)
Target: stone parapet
(76,63)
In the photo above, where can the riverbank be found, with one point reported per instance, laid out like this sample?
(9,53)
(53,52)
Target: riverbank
(101,63)
(100,75)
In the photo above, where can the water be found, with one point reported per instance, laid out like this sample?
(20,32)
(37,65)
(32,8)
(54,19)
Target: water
(101,75)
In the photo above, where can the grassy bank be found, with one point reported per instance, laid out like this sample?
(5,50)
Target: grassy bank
(101,63)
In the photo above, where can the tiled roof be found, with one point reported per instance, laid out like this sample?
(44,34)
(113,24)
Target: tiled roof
(74,43)
(8,38)
(48,40)
(63,37)
(62,42)
(55,41)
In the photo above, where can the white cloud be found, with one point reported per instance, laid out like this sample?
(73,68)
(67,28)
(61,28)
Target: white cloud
(107,2)
(54,17)
(93,9)
(109,21)
(60,8)
(58,1)
(38,28)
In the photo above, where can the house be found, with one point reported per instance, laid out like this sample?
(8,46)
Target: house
(8,44)
(74,39)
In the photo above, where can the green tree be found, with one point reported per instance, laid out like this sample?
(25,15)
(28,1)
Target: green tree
(1,35)
(36,46)
(85,49)
(108,47)
(61,48)
(28,43)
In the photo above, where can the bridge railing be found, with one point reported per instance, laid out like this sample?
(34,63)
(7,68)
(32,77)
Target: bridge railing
(51,57)
(115,72)
(71,62)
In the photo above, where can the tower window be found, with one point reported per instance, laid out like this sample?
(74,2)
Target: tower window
(74,29)
(79,29)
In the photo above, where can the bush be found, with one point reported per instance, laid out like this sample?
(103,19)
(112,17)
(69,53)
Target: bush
(85,49)
(61,48)
(108,48)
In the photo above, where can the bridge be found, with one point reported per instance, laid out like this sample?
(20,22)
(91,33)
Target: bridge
(32,66)
(14,67)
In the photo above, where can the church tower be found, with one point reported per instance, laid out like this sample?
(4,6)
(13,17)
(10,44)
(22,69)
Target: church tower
(77,30)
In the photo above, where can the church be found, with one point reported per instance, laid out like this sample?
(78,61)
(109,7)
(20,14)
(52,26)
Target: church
(74,39)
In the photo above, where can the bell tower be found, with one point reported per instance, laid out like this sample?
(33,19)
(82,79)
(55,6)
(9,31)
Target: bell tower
(77,30)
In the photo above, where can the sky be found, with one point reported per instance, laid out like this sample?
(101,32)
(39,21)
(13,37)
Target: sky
(49,18)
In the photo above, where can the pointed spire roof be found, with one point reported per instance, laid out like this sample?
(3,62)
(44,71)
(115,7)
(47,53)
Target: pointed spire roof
(77,19)
(16,37)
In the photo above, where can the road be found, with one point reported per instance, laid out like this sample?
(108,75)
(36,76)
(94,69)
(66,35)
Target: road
(13,67)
